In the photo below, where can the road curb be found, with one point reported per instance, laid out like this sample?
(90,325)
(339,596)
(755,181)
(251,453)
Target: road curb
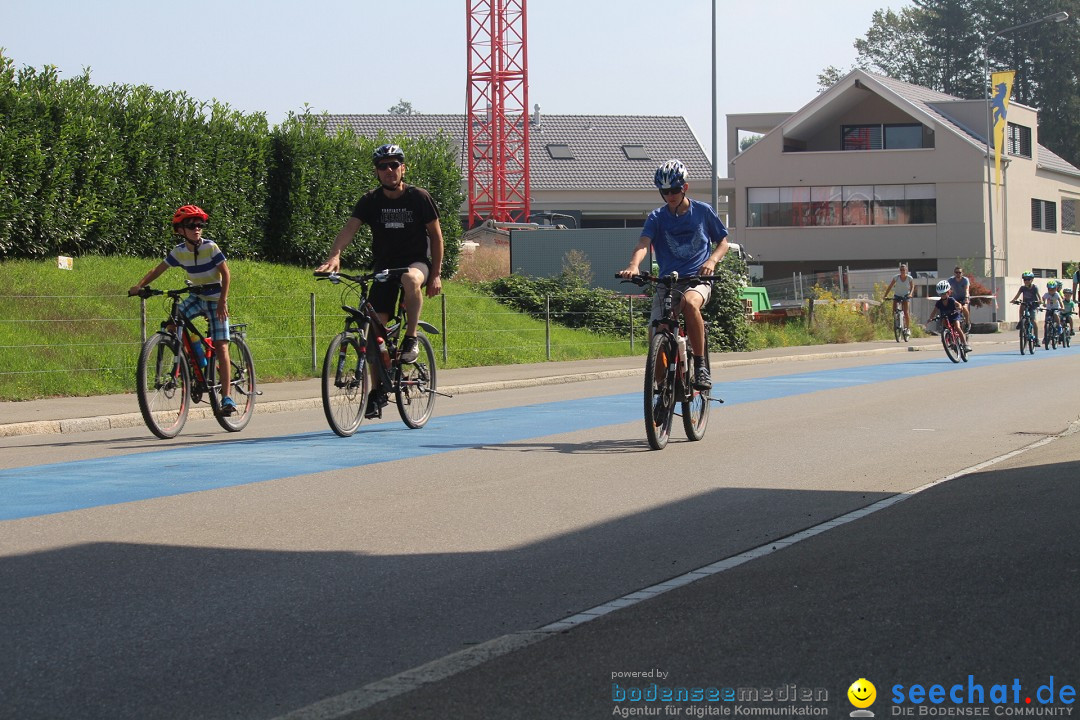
(126,420)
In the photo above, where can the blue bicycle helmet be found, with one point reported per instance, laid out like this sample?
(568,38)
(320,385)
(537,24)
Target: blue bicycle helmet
(385,152)
(671,174)
(1028,276)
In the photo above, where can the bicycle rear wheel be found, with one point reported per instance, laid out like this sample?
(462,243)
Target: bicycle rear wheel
(344,384)
(951,344)
(416,386)
(695,411)
(163,384)
(241,387)
(659,392)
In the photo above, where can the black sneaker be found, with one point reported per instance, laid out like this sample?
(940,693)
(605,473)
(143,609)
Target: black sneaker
(702,380)
(375,403)
(410,350)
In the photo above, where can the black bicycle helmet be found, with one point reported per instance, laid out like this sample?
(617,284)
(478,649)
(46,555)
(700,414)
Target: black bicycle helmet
(386,152)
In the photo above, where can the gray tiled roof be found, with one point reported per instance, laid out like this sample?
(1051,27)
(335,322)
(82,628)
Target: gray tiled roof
(936,104)
(596,142)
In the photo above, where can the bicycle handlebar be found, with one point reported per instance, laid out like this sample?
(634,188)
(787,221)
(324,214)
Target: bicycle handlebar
(149,292)
(379,276)
(641,279)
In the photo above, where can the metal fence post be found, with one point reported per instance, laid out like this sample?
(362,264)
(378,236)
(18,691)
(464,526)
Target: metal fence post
(547,325)
(631,324)
(314,357)
(142,319)
(443,296)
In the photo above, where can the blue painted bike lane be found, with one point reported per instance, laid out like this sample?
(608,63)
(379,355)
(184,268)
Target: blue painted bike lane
(46,489)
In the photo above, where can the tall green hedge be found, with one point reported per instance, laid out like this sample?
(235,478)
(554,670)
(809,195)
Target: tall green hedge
(91,169)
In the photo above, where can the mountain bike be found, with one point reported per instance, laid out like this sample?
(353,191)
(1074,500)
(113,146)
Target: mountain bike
(177,368)
(1056,332)
(367,343)
(1066,331)
(899,331)
(669,375)
(950,340)
(1026,326)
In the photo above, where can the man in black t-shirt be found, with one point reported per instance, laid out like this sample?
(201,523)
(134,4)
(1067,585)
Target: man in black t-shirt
(405,232)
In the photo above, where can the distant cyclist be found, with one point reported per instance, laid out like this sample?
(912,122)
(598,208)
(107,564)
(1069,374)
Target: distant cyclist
(1053,301)
(961,291)
(1031,300)
(902,286)
(950,310)
(689,238)
(1068,309)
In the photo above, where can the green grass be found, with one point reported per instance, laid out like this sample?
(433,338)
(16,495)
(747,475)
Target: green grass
(77,333)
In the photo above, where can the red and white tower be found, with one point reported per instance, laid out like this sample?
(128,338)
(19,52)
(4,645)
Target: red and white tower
(498,118)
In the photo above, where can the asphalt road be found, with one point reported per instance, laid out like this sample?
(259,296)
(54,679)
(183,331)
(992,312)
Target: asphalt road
(514,556)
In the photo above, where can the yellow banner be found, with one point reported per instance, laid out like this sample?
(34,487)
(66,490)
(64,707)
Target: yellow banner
(1000,91)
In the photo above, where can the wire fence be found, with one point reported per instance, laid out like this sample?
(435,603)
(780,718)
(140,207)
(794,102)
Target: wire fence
(87,345)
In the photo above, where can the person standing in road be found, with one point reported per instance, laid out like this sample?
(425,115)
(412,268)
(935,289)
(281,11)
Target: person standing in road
(689,238)
(405,232)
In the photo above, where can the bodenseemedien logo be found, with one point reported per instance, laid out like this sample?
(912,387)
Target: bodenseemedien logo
(862,694)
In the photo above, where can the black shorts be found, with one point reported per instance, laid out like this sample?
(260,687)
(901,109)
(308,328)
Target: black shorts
(384,295)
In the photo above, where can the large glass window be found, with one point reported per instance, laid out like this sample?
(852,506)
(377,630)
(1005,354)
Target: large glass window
(824,205)
(881,137)
(857,204)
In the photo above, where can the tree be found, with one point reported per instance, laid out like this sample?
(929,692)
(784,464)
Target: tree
(939,44)
(403,107)
(748,141)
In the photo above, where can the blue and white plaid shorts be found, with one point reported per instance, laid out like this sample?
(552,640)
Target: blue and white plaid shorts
(194,306)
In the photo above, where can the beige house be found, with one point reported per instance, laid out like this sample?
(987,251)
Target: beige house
(875,171)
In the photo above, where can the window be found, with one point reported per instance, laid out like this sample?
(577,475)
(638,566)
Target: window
(1043,215)
(560,152)
(635,152)
(1044,272)
(861,137)
(881,137)
(900,137)
(1068,215)
(826,205)
(1018,140)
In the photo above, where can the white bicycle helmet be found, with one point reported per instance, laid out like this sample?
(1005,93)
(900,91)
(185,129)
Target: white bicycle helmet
(943,287)
(671,174)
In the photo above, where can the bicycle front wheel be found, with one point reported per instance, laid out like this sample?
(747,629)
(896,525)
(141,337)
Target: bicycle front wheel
(659,391)
(1025,334)
(344,384)
(415,386)
(695,411)
(898,326)
(951,345)
(163,384)
(241,387)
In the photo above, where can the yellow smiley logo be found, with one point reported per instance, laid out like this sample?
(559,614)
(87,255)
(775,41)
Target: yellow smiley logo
(862,693)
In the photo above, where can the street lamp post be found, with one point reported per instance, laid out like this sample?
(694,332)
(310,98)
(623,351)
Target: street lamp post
(1056,17)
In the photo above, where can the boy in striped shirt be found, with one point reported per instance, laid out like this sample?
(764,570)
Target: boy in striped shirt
(205,265)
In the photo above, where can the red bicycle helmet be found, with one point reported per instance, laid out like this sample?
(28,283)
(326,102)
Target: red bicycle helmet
(189,211)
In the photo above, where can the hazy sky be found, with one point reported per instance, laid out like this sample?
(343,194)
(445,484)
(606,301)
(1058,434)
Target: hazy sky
(358,56)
